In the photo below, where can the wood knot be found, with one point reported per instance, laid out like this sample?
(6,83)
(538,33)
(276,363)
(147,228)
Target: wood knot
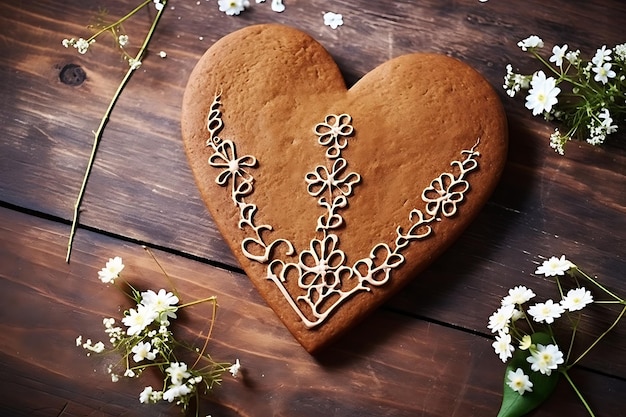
(72,74)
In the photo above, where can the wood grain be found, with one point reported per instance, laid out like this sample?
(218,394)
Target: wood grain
(426,353)
(392,365)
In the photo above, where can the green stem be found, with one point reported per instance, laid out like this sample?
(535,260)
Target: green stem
(121,20)
(98,133)
(203,300)
(597,284)
(169,280)
(571,342)
(599,338)
(578,393)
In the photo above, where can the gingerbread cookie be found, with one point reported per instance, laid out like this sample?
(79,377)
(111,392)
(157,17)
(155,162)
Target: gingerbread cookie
(332,199)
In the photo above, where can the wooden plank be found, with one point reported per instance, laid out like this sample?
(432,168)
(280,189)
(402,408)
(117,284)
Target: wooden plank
(390,365)
(142,188)
(129,194)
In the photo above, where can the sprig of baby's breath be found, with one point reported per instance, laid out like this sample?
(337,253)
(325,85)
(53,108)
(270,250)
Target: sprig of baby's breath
(526,338)
(144,340)
(134,62)
(588,97)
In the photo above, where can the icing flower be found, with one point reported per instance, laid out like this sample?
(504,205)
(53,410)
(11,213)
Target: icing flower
(322,179)
(226,157)
(321,264)
(444,193)
(333,132)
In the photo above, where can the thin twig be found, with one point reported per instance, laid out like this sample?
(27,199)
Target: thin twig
(578,393)
(582,355)
(169,279)
(98,133)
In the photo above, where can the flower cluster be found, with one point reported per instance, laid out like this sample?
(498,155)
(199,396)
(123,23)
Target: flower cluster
(116,29)
(234,7)
(525,335)
(145,341)
(586,96)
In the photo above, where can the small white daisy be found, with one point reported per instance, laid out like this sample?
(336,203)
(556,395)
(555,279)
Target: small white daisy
(554,266)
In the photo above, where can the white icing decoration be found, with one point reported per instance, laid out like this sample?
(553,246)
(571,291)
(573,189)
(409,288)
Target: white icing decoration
(321,271)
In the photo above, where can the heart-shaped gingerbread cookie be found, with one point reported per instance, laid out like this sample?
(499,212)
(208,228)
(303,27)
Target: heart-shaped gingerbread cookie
(331,198)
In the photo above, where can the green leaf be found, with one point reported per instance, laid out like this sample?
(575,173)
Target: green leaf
(516,405)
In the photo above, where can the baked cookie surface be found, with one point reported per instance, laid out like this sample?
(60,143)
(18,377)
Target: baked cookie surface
(333,199)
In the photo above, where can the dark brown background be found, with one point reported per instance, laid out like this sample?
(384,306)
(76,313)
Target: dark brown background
(426,353)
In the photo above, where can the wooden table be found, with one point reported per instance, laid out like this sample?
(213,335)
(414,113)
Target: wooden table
(427,352)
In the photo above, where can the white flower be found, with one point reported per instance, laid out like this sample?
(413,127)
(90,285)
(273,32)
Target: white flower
(606,121)
(620,51)
(122,40)
(114,378)
(557,141)
(518,295)
(526,342)
(596,139)
(603,72)
(108,322)
(137,320)
(82,45)
(146,395)
(234,369)
(164,303)
(530,42)
(233,7)
(334,20)
(79,340)
(111,271)
(158,5)
(68,42)
(98,347)
(149,396)
(499,321)
(577,299)
(513,82)
(554,266)
(134,63)
(175,391)
(142,351)
(517,314)
(542,94)
(546,312)
(278,6)
(502,346)
(601,56)
(558,53)
(519,381)
(177,372)
(129,373)
(573,57)
(545,359)
(163,54)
